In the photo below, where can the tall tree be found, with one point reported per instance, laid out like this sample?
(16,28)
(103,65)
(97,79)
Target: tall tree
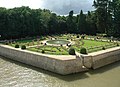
(116,17)
(71,25)
(82,28)
(53,24)
(102,14)
(91,23)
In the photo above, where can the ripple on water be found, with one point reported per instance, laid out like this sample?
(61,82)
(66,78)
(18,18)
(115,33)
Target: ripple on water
(15,74)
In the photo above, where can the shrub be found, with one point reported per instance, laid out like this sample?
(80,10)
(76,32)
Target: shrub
(69,45)
(117,44)
(83,50)
(6,43)
(43,51)
(78,36)
(45,44)
(16,46)
(83,37)
(103,48)
(23,47)
(61,45)
(72,51)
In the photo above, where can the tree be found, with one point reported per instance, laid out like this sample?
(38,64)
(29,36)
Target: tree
(53,24)
(71,25)
(82,23)
(116,17)
(91,23)
(102,14)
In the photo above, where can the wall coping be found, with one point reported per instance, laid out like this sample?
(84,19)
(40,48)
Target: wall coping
(57,57)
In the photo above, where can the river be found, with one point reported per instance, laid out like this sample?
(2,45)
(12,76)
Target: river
(15,74)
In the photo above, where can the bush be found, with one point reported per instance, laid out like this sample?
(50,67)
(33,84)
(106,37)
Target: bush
(78,36)
(42,51)
(117,44)
(45,44)
(103,48)
(61,45)
(83,37)
(83,50)
(6,43)
(69,45)
(72,51)
(23,47)
(16,46)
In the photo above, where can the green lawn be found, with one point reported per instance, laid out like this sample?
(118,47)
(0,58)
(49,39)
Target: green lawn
(50,50)
(90,45)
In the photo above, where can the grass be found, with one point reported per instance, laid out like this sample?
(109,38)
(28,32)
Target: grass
(90,45)
(50,50)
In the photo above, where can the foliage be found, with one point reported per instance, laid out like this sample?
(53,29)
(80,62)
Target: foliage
(23,47)
(83,50)
(82,23)
(42,51)
(77,36)
(16,46)
(83,37)
(117,44)
(72,51)
(21,22)
(103,48)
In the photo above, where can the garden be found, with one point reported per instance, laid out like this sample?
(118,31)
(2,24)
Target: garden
(64,44)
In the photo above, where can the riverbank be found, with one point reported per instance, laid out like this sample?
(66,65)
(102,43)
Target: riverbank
(62,64)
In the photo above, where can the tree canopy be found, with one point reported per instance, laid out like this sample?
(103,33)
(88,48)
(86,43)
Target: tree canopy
(23,22)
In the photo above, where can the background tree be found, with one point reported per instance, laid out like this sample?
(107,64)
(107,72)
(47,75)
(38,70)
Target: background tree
(82,28)
(71,25)
(102,15)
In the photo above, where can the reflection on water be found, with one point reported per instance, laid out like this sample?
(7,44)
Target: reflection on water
(16,74)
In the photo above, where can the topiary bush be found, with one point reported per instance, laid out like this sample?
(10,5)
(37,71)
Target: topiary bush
(117,44)
(72,51)
(77,36)
(16,46)
(103,48)
(43,51)
(83,50)
(83,37)
(23,47)
(6,43)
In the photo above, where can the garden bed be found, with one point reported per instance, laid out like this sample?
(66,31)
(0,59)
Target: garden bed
(90,43)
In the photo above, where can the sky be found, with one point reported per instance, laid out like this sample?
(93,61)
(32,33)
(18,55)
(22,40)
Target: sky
(61,7)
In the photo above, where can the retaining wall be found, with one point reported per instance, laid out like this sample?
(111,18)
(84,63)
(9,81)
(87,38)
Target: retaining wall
(62,64)
(58,64)
(101,58)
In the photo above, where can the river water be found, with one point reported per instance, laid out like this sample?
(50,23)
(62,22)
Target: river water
(15,74)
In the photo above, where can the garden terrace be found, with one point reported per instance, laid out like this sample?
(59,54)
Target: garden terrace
(91,43)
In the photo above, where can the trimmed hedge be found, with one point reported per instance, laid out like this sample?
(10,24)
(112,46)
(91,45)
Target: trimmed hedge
(83,50)
(72,51)
(16,46)
(103,48)
(23,47)
(42,51)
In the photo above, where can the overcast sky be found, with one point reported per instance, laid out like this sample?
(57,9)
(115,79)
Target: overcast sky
(61,7)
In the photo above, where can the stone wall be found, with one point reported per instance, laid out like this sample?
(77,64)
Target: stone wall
(47,62)
(106,57)
(62,64)
(101,58)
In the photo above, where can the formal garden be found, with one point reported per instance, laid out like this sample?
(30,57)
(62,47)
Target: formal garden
(65,44)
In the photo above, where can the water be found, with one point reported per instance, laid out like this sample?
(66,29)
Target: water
(58,42)
(15,74)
